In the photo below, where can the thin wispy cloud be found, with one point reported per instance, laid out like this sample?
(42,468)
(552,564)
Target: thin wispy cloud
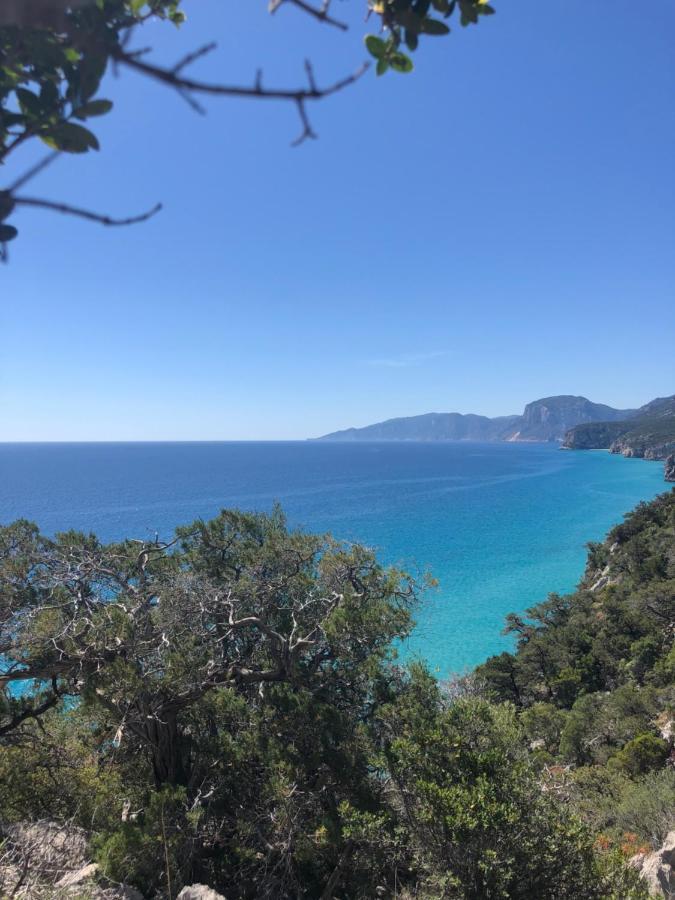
(405,360)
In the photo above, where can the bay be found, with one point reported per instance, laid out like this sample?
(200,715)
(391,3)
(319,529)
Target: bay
(498,525)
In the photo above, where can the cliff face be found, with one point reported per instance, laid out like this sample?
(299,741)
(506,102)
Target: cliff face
(593,436)
(649,434)
(669,468)
(549,419)
(543,420)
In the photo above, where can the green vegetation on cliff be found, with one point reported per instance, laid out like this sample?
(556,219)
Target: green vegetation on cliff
(593,678)
(650,433)
(229,710)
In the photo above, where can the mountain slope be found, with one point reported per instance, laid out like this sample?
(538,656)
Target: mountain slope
(430,427)
(547,419)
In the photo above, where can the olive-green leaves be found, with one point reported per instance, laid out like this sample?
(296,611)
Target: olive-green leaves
(405,21)
(93,108)
(434,26)
(376,46)
(70,138)
(387,55)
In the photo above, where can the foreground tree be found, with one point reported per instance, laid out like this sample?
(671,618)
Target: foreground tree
(56,52)
(146,634)
(229,703)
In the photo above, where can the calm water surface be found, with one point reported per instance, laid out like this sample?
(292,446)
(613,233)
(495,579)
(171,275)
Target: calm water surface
(499,525)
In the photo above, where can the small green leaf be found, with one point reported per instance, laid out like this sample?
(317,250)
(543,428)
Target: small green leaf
(375,46)
(433,26)
(7,233)
(411,39)
(71,138)
(93,108)
(92,70)
(382,66)
(29,102)
(400,62)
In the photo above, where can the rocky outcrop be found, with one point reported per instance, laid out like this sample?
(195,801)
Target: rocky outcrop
(669,468)
(47,850)
(199,892)
(650,434)
(47,860)
(643,445)
(658,868)
(593,436)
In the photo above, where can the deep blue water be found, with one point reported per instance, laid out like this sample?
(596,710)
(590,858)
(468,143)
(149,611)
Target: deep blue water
(499,525)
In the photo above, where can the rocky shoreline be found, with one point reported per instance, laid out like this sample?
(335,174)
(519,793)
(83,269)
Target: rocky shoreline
(649,435)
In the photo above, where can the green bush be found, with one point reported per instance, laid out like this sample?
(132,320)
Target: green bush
(155,852)
(642,754)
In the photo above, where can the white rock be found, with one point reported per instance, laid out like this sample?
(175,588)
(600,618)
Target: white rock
(600,583)
(52,849)
(199,892)
(658,869)
(78,876)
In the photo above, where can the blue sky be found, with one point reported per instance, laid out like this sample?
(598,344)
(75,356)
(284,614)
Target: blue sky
(496,227)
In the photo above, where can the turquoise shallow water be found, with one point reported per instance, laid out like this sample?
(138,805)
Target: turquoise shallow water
(499,525)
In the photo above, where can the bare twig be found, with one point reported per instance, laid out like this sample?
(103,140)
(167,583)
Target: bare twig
(195,55)
(186,87)
(320,13)
(69,210)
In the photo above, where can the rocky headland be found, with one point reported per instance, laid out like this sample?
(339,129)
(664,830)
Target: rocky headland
(648,434)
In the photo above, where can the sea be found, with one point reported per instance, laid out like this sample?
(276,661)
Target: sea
(499,526)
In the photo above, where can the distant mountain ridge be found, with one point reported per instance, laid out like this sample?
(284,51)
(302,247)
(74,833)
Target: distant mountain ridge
(548,419)
(649,433)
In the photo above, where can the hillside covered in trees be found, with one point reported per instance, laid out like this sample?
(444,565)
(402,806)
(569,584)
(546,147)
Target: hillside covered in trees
(229,710)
